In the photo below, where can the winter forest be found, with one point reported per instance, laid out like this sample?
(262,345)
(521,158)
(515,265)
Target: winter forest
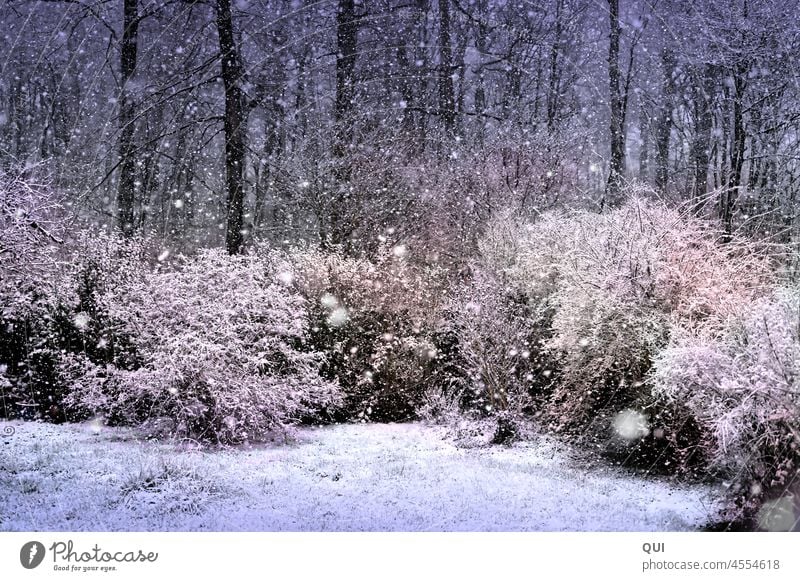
(474,256)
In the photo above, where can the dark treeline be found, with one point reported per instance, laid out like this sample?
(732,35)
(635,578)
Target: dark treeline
(210,122)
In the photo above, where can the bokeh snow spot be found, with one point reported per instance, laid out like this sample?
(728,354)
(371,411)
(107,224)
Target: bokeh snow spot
(95,425)
(329,301)
(631,425)
(777,515)
(338,317)
(81,321)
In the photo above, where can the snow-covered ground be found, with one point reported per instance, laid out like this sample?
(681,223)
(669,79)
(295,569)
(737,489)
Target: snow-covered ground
(377,477)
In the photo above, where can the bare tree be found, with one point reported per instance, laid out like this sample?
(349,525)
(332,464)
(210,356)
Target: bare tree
(664,121)
(235,128)
(617,122)
(701,141)
(127,112)
(346,46)
(447,101)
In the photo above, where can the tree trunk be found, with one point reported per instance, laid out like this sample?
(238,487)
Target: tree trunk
(664,127)
(554,81)
(234,125)
(479,97)
(701,141)
(447,101)
(346,43)
(406,89)
(644,137)
(617,126)
(127,112)
(731,193)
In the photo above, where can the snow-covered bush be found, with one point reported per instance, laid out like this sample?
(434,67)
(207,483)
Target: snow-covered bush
(742,385)
(500,335)
(222,346)
(66,319)
(624,277)
(500,331)
(603,291)
(31,230)
(31,235)
(376,322)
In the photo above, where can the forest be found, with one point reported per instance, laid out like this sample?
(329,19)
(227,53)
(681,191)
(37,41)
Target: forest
(572,219)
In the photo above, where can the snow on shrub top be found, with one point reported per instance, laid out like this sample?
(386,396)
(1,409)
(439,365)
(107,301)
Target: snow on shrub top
(31,230)
(743,386)
(642,253)
(616,283)
(222,338)
(392,284)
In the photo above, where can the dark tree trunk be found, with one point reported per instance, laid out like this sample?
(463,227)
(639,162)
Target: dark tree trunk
(301,97)
(733,184)
(554,81)
(234,125)
(127,112)
(447,101)
(406,89)
(701,141)
(347,44)
(617,126)
(479,97)
(664,126)
(644,136)
(460,93)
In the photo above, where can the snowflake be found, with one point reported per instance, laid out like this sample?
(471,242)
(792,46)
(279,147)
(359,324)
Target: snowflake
(631,425)
(286,278)
(338,317)
(329,301)
(81,321)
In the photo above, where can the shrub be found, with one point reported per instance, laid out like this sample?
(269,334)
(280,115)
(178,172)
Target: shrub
(742,386)
(63,317)
(500,328)
(500,337)
(31,229)
(222,344)
(31,233)
(377,324)
(597,295)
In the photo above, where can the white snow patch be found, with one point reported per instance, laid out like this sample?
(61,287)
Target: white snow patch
(354,477)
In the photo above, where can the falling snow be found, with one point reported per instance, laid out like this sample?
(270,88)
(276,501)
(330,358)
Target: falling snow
(222,219)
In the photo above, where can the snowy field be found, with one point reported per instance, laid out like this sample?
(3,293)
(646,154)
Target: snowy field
(377,477)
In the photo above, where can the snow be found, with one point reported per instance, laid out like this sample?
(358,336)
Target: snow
(631,425)
(338,317)
(349,477)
